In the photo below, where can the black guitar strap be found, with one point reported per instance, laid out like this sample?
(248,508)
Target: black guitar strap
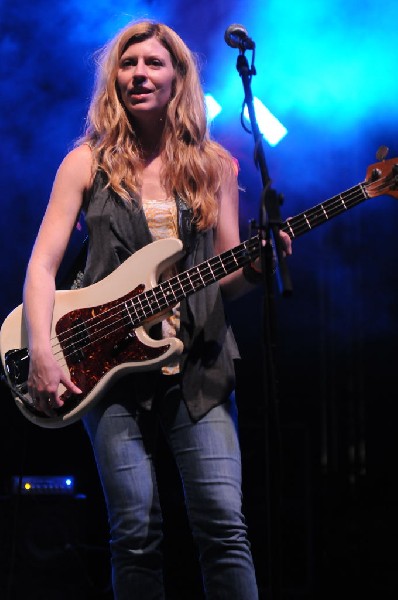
(186,225)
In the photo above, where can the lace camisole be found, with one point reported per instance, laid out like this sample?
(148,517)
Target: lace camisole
(161,216)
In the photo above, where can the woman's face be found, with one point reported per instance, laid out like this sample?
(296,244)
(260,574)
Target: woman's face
(145,78)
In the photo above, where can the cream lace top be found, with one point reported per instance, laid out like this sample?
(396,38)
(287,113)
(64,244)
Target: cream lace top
(162,221)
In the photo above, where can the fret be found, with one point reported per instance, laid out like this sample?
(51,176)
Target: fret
(192,279)
(160,299)
(153,303)
(343,203)
(140,310)
(220,264)
(169,291)
(288,228)
(200,275)
(364,191)
(128,312)
(322,212)
(212,272)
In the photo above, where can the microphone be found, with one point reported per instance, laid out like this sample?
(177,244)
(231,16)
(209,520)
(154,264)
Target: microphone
(236,36)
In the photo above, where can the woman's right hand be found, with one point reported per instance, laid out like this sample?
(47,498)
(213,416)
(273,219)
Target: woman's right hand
(45,377)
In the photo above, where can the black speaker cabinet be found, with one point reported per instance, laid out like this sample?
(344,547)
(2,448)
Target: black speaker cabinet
(42,548)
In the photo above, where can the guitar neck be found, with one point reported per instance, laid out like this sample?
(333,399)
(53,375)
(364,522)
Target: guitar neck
(170,292)
(325,211)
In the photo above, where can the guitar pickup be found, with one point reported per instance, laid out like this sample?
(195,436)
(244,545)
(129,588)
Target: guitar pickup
(79,342)
(123,343)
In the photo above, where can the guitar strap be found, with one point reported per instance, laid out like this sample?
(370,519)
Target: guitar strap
(186,225)
(72,279)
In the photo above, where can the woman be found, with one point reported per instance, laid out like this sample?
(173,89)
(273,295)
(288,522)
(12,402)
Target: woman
(146,169)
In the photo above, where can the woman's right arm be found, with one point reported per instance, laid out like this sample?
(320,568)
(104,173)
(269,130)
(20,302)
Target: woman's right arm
(73,178)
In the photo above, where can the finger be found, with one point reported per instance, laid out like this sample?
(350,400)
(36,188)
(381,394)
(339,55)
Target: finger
(36,403)
(48,407)
(70,386)
(44,405)
(287,243)
(56,400)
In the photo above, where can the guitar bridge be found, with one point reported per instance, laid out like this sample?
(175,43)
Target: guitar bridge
(17,367)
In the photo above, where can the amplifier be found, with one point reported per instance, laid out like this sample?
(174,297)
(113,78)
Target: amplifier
(43,484)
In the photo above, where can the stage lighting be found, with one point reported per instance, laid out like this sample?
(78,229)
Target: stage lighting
(272,129)
(212,107)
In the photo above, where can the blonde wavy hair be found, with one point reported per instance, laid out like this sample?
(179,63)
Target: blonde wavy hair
(193,164)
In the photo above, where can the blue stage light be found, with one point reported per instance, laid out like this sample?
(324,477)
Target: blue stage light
(271,128)
(212,107)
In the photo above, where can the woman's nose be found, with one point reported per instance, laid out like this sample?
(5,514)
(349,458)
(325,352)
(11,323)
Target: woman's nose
(140,71)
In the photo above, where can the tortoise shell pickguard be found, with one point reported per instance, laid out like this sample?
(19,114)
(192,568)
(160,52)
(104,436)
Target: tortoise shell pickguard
(97,339)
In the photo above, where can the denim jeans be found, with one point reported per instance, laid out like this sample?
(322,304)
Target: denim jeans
(208,458)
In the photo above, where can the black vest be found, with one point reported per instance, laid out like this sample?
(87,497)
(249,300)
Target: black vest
(116,230)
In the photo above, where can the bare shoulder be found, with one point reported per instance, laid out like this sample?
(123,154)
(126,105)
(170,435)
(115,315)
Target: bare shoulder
(229,179)
(82,153)
(77,166)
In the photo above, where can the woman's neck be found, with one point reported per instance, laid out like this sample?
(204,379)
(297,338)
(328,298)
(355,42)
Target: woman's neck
(149,135)
(150,151)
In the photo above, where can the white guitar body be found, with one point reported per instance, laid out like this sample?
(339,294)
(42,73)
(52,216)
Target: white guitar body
(142,269)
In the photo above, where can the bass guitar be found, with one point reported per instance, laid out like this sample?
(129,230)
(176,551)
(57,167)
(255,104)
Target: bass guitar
(102,331)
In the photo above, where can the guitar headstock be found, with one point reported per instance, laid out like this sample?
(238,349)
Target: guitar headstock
(382,178)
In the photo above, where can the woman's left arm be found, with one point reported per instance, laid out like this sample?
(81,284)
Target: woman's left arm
(226,236)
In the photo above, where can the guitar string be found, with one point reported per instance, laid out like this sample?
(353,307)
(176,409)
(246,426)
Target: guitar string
(153,294)
(216,267)
(181,285)
(320,214)
(291,226)
(304,217)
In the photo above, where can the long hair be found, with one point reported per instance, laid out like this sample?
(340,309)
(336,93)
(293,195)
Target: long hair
(193,164)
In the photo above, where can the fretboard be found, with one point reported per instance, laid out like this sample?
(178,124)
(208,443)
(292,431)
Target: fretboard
(324,211)
(172,291)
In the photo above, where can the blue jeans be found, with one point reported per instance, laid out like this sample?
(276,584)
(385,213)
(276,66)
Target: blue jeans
(208,458)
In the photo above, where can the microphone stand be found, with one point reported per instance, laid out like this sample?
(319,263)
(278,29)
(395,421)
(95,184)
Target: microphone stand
(269,226)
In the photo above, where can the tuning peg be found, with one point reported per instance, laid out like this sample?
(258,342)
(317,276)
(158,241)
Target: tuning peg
(382,153)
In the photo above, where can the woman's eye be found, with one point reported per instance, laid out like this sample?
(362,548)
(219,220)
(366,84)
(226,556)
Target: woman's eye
(128,62)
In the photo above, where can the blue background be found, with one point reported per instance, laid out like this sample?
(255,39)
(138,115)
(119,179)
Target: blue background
(327,70)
